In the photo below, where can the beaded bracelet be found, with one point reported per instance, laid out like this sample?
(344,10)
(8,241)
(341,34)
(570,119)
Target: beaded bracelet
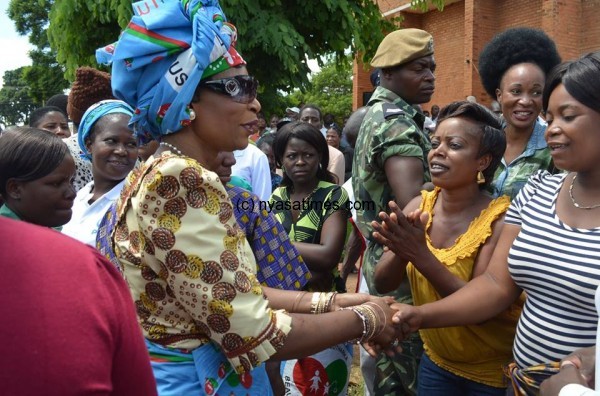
(373,322)
(364,320)
(372,326)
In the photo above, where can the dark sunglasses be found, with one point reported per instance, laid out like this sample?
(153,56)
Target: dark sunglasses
(241,89)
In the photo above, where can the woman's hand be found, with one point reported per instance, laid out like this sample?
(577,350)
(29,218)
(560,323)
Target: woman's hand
(569,374)
(407,319)
(387,338)
(583,359)
(403,235)
(577,368)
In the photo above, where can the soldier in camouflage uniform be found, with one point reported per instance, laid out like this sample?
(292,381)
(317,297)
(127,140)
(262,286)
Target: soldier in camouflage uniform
(390,163)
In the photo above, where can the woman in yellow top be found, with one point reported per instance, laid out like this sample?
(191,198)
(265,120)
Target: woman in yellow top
(208,323)
(446,239)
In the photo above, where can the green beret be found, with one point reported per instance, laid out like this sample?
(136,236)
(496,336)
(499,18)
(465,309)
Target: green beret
(402,46)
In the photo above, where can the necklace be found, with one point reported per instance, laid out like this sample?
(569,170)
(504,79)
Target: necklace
(170,146)
(573,199)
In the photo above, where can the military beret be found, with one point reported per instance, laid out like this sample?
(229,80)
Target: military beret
(402,46)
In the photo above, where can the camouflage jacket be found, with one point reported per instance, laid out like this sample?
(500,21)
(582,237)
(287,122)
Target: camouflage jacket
(391,127)
(510,178)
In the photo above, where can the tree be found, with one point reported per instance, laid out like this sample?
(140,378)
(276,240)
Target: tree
(15,101)
(276,37)
(45,77)
(330,89)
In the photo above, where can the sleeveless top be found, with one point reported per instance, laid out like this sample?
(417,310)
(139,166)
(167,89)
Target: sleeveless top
(477,352)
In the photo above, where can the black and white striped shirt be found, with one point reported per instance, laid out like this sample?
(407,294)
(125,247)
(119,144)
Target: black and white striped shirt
(559,268)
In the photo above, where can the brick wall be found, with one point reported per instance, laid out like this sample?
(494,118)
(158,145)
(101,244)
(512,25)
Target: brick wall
(461,31)
(590,28)
(447,29)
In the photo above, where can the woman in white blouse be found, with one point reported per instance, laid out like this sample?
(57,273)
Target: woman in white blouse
(106,140)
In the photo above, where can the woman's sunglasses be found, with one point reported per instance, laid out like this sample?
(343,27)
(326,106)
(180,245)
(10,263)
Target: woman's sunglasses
(241,89)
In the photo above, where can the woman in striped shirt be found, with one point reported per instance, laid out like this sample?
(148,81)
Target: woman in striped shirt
(550,245)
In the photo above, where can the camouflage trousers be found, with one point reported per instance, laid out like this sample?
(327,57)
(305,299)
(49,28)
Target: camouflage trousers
(395,375)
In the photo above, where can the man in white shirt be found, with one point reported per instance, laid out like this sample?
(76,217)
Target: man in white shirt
(252,165)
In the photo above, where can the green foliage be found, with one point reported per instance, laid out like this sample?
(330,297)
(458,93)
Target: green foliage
(46,76)
(78,27)
(276,37)
(15,101)
(330,89)
(30,18)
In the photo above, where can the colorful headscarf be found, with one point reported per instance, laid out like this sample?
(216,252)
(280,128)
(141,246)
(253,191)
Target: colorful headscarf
(93,114)
(162,55)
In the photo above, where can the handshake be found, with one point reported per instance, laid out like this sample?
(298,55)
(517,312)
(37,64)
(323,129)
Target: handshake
(390,322)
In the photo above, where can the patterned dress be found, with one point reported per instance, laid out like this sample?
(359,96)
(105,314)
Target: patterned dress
(192,276)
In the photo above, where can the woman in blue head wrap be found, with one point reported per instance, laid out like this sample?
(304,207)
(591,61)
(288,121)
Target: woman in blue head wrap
(106,140)
(208,323)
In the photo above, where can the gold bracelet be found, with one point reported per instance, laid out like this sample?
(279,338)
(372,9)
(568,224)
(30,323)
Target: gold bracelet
(330,300)
(297,300)
(380,322)
(323,301)
(314,302)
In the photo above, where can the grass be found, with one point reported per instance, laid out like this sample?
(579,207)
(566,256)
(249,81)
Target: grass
(356,385)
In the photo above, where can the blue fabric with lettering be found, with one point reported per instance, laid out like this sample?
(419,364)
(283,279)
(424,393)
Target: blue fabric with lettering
(160,58)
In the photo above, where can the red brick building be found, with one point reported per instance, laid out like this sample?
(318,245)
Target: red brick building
(463,28)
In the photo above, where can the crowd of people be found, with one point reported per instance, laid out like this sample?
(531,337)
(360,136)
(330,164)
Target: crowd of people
(204,251)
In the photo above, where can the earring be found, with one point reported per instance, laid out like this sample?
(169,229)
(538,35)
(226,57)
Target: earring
(480,178)
(283,169)
(192,115)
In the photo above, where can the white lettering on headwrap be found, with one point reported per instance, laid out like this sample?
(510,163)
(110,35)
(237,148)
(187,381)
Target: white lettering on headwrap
(180,70)
(218,50)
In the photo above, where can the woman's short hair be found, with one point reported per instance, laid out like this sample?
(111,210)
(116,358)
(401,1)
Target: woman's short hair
(28,154)
(492,140)
(511,47)
(38,114)
(580,78)
(336,128)
(309,134)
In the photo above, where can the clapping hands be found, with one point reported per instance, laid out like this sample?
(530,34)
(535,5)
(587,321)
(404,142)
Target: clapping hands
(403,235)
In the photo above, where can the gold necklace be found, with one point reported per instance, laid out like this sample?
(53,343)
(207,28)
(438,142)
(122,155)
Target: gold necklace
(578,206)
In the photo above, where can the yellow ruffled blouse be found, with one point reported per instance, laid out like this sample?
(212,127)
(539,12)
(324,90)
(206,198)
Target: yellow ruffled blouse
(479,352)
